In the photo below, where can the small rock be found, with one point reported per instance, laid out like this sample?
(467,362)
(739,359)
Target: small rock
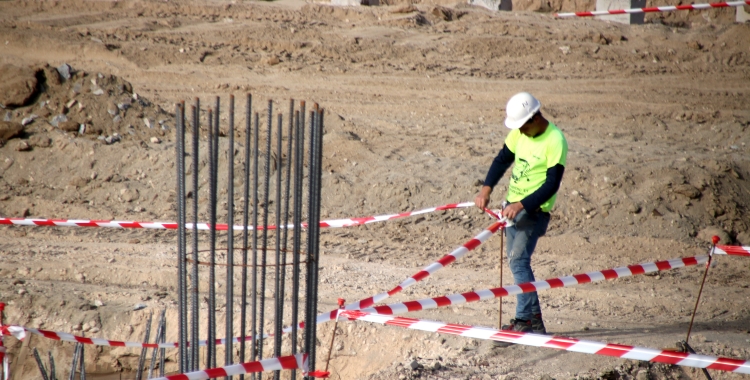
(129,195)
(113,110)
(139,306)
(9,130)
(274,61)
(155,140)
(21,291)
(565,49)
(65,71)
(23,146)
(69,126)
(147,122)
(81,277)
(112,139)
(98,303)
(687,190)
(40,141)
(59,119)
(414,365)
(98,92)
(28,120)
(642,375)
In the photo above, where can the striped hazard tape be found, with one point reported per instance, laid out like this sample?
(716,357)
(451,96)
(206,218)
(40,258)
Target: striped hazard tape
(332,223)
(670,8)
(584,278)
(419,276)
(733,250)
(298,361)
(566,344)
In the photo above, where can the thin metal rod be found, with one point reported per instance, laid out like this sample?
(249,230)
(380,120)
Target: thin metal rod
(245,234)
(285,232)
(217,132)
(264,257)
(309,311)
(211,344)
(162,339)
(52,369)
(229,321)
(157,337)
(700,291)
(184,353)
(333,336)
(278,318)
(83,364)
(254,292)
(142,358)
(195,318)
(180,158)
(500,305)
(40,364)
(74,364)
(316,173)
(297,220)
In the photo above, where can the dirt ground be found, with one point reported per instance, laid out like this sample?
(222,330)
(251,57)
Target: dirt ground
(657,118)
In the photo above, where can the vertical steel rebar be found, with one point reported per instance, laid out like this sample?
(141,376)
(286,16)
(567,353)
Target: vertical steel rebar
(52,369)
(83,364)
(285,232)
(211,344)
(297,221)
(215,158)
(264,257)
(40,364)
(74,364)
(278,318)
(142,358)
(254,293)
(229,322)
(194,321)
(163,339)
(157,338)
(183,203)
(245,232)
(317,173)
(309,312)
(179,158)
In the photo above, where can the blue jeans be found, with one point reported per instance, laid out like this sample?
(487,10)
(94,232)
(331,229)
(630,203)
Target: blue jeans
(522,238)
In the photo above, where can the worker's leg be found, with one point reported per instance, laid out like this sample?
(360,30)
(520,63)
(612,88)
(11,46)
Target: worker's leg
(522,239)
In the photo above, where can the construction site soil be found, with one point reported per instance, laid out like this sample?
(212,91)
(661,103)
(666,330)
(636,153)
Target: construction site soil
(657,118)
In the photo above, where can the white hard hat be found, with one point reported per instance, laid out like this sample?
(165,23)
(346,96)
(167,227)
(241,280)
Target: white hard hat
(521,107)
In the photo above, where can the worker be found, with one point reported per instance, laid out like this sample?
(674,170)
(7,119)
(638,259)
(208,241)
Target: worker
(538,150)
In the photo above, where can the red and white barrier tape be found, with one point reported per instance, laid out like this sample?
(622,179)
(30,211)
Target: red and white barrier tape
(272,364)
(19,333)
(566,344)
(419,276)
(733,250)
(479,295)
(332,223)
(656,9)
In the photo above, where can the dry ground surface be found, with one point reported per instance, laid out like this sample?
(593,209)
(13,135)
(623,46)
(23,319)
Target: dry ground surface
(657,118)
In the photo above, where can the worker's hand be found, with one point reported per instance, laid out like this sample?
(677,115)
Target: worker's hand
(512,210)
(482,200)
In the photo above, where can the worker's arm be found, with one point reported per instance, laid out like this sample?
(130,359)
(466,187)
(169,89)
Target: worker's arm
(500,164)
(546,191)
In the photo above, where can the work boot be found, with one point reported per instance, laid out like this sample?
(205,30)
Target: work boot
(518,325)
(537,325)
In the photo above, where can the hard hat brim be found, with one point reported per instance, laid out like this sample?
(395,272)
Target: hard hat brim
(516,124)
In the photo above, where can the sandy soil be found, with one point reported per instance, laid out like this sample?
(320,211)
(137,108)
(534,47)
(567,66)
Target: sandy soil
(656,116)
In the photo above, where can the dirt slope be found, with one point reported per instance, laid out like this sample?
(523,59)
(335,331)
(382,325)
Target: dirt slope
(656,116)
